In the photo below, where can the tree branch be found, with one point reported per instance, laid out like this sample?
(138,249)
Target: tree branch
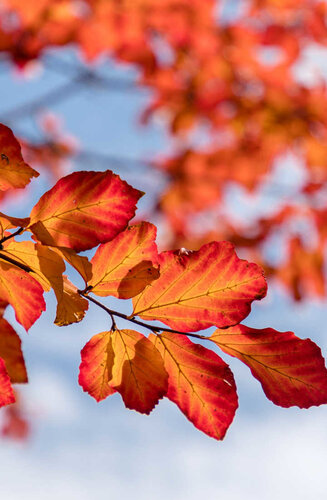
(154,329)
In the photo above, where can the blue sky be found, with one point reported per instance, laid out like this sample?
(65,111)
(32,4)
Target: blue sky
(80,449)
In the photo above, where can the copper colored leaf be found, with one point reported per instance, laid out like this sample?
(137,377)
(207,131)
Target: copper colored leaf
(125,266)
(200,289)
(96,366)
(6,391)
(78,262)
(200,383)
(23,292)
(11,353)
(127,362)
(46,265)
(14,172)
(138,373)
(84,209)
(291,370)
(71,306)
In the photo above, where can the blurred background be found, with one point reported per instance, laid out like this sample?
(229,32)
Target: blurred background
(217,111)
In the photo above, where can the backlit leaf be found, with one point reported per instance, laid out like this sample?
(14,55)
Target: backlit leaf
(7,395)
(126,361)
(78,262)
(84,209)
(96,366)
(71,306)
(125,266)
(196,290)
(14,172)
(138,373)
(200,383)
(291,370)
(7,222)
(23,292)
(11,353)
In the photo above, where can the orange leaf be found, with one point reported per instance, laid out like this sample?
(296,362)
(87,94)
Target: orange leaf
(200,383)
(7,395)
(23,292)
(138,372)
(128,362)
(196,290)
(48,266)
(291,370)
(11,353)
(71,306)
(14,172)
(81,264)
(96,366)
(124,266)
(84,209)
(7,222)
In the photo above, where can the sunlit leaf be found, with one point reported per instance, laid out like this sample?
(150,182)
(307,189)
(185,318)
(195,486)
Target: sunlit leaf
(23,292)
(71,306)
(6,391)
(129,363)
(291,370)
(84,209)
(14,172)
(196,290)
(200,383)
(11,353)
(125,266)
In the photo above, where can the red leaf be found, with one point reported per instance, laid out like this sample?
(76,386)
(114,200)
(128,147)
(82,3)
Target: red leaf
(200,289)
(127,362)
(84,209)
(124,266)
(95,370)
(7,395)
(291,370)
(14,172)
(23,292)
(200,383)
(11,353)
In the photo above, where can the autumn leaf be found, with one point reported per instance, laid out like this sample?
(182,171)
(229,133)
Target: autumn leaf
(22,292)
(200,383)
(71,306)
(96,366)
(291,370)
(129,363)
(11,353)
(7,395)
(7,222)
(78,262)
(83,209)
(14,172)
(48,266)
(200,289)
(125,266)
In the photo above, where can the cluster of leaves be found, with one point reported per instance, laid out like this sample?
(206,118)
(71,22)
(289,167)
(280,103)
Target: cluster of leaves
(233,78)
(187,291)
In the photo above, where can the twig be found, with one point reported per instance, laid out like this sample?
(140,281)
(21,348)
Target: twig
(16,263)
(154,329)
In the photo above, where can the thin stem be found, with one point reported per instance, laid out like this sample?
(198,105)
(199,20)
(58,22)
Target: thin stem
(12,235)
(16,263)
(154,329)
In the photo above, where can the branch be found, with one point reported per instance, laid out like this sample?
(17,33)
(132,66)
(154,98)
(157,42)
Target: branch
(154,329)
(5,238)
(16,263)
